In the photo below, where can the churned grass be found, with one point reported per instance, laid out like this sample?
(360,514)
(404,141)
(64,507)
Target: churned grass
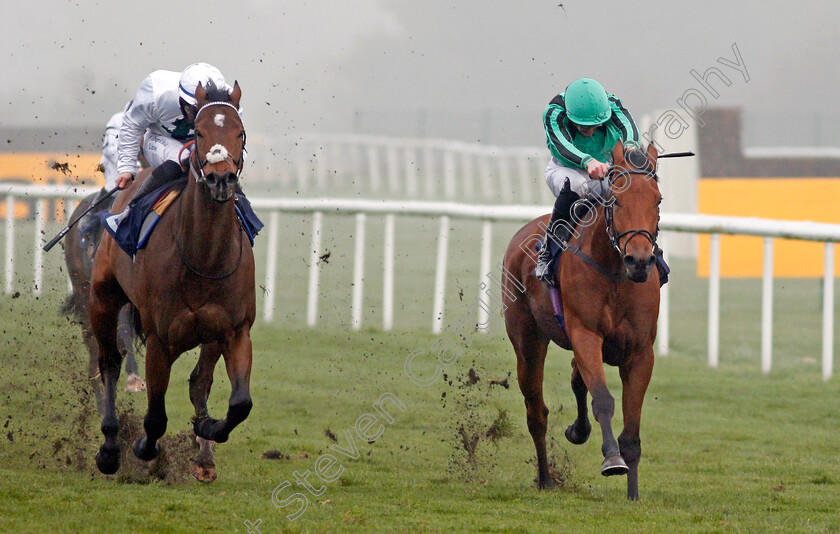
(724,450)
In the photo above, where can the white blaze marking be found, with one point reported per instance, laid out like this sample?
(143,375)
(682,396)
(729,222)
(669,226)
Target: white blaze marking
(219,119)
(217,154)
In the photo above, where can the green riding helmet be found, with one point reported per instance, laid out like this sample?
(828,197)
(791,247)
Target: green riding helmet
(586,102)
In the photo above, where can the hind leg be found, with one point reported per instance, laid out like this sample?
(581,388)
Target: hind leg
(158,368)
(125,339)
(578,432)
(635,377)
(201,380)
(93,366)
(238,364)
(104,309)
(530,363)
(81,303)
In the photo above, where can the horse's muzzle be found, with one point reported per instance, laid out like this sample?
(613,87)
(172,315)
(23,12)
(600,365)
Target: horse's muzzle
(638,268)
(222,186)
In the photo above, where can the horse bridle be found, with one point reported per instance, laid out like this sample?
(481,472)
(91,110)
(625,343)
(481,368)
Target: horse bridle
(199,177)
(615,238)
(238,164)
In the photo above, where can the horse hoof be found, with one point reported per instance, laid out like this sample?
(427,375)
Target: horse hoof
(204,472)
(141,450)
(577,438)
(108,460)
(614,465)
(135,384)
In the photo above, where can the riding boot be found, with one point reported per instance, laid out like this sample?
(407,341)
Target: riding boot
(90,221)
(559,229)
(165,173)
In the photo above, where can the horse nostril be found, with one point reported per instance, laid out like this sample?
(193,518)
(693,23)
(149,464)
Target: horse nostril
(629,261)
(224,180)
(651,260)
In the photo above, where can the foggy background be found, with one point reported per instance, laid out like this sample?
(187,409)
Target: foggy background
(479,71)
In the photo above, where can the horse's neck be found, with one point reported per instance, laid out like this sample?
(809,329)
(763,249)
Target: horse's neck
(207,230)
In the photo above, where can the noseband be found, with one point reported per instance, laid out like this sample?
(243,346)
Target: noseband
(238,164)
(615,239)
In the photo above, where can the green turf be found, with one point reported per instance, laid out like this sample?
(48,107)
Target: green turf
(726,450)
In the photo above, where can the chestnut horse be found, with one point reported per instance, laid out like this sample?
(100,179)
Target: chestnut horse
(611,303)
(193,285)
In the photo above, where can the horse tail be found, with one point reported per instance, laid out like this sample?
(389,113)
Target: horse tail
(68,306)
(71,306)
(137,326)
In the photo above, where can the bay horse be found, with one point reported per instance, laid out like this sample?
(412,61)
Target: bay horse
(610,302)
(193,285)
(78,259)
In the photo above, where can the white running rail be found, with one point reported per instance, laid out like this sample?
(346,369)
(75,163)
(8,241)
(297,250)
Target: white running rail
(448,212)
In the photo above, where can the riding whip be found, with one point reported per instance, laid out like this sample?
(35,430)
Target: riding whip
(67,228)
(675,155)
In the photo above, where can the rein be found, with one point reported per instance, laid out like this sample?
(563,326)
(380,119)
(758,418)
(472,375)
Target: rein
(190,267)
(594,264)
(208,276)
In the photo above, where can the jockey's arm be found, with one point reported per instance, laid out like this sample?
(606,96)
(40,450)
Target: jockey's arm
(559,140)
(139,116)
(622,120)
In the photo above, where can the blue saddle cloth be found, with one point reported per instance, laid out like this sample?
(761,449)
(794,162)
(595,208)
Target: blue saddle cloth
(250,222)
(131,228)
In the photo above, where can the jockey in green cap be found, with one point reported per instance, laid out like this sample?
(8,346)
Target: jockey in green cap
(582,125)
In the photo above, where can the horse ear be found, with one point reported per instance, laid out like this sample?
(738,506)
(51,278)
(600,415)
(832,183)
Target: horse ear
(652,152)
(236,94)
(618,153)
(200,95)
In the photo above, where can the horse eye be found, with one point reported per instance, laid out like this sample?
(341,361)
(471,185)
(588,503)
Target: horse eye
(199,135)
